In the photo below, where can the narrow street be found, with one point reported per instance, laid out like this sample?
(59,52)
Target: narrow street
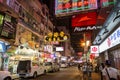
(70,73)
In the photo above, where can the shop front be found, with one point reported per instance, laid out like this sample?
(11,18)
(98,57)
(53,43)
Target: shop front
(110,48)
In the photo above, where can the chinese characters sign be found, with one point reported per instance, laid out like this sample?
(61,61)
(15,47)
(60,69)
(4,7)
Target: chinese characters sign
(111,41)
(105,3)
(64,7)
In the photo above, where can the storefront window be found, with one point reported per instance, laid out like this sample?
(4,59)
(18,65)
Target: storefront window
(116,58)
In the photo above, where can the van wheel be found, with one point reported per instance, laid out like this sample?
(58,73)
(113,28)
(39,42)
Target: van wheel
(35,75)
(7,78)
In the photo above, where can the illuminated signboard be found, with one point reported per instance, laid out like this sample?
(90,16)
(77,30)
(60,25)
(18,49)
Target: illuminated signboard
(94,49)
(63,7)
(105,3)
(84,20)
(2,47)
(59,49)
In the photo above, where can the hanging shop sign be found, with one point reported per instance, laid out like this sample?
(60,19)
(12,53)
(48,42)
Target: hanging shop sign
(106,3)
(83,20)
(48,48)
(65,7)
(111,41)
(59,48)
(94,49)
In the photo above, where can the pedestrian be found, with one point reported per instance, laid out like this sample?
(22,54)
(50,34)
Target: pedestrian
(101,67)
(90,69)
(110,73)
(79,66)
(84,70)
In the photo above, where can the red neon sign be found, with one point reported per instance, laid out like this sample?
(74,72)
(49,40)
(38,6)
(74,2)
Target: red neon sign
(84,20)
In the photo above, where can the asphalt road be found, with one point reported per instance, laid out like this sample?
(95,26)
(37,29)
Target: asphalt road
(70,73)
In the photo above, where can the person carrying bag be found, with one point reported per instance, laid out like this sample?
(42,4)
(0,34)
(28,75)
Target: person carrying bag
(110,73)
(109,76)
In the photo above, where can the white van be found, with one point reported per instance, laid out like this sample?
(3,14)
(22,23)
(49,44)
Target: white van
(28,68)
(5,75)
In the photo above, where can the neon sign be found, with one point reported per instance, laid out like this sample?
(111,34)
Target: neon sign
(105,3)
(70,6)
(84,20)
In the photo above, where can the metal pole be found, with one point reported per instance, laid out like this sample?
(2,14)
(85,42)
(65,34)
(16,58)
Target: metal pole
(85,47)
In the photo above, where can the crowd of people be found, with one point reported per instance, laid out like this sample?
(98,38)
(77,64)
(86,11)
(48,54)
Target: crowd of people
(106,71)
(87,69)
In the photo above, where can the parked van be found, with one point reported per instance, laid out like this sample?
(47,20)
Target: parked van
(29,68)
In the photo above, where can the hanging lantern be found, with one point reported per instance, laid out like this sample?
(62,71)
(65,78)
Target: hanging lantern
(56,34)
(50,34)
(54,39)
(65,37)
(62,34)
(50,39)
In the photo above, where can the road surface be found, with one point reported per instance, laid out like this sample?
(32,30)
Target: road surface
(70,73)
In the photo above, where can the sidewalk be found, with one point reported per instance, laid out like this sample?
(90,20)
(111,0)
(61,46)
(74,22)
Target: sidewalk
(95,76)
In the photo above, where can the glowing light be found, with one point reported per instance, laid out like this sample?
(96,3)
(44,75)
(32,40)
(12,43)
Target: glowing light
(87,43)
(70,6)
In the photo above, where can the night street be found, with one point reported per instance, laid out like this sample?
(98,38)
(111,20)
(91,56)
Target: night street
(70,73)
(59,39)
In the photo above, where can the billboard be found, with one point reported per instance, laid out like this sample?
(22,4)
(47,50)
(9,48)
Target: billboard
(66,7)
(84,20)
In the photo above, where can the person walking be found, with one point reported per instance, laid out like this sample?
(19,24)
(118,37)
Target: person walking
(84,70)
(101,67)
(110,73)
(79,66)
(90,69)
